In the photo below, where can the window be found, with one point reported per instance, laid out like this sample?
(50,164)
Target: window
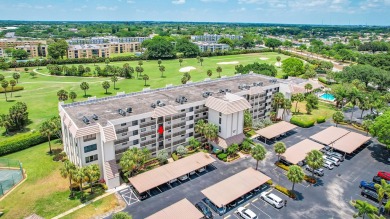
(191,126)
(183,110)
(142,120)
(143,129)
(220,114)
(153,136)
(89,137)
(153,127)
(91,158)
(133,123)
(135,132)
(191,117)
(191,109)
(90,148)
(220,120)
(183,127)
(135,142)
(197,107)
(124,134)
(204,113)
(123,124)
(219,128)
(143,138)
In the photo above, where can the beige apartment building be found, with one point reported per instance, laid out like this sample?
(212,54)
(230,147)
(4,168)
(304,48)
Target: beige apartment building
(98,131)
(101,50)
(32,47)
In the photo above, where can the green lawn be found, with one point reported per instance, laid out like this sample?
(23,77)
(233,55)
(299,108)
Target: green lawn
(44,192)
(324,109)
(40,93)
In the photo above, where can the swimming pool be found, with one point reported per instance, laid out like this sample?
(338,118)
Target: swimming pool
(328,97)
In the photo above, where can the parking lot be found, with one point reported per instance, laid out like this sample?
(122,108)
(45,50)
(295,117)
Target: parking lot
(328,198)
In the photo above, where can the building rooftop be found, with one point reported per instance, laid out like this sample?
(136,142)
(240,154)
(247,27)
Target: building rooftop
(140,102)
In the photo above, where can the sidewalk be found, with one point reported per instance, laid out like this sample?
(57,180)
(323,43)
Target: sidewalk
(108,192)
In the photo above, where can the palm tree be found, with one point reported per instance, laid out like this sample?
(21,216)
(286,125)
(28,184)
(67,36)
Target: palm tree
(84,86)
(47,129)
(133,159)
(145,77)
(209,73)
(280,148)
(353,98)
(16,76)
(67,171)
(286,106)
(200,127)
(201,61)
(258,153)
(295,174)
(159,62)
(363,105)
(106,85)
(308,87)
(198,57)
(162,69)
(140,63)
(180,61)
(383,190)
(79,177)
(211,131)
(364,209)
(139,70)
(92,173)
(219,70)
(297,98)
(107,61)
(4,85)
(12,83)
(194,143)
(314,160)
(62,95)
(338,117)
(72,95)
(278,100)
(114,79)
(232,149)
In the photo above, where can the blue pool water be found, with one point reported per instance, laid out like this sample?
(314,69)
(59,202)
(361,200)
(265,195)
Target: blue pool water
(328,97)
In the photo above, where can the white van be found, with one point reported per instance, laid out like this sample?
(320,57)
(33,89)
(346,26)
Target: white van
(328,164)
(272,199)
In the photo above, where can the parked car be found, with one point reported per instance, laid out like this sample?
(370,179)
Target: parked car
(328,164)
(192,172)
(377,179)
(285,162)
(367,185)
(172,181)
(204,209)
(318,172)
(333,160)
(335,154)
(249,195)
(183,178)
(219,211)
(201,169)
(240,200)
(384,175)
(372,195)
(246,213)
(272,199)
(260,188)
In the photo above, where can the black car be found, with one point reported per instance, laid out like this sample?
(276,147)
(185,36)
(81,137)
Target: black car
(372,195)
(204,209)
(377,180)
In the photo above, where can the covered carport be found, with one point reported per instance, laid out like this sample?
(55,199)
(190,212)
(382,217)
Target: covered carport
(298,152)
(350,142)
(161,175)
(181,209)
(275,130)
(234,187)
(329,135)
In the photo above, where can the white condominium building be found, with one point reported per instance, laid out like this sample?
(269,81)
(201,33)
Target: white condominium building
(108,39)
(214,37)
(212,47)
(98,131)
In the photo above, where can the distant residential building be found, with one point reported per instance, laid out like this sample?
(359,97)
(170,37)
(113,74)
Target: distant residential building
(101,50)
(212,47)
(9,35)
(34,48)
(102,40)
(214,37)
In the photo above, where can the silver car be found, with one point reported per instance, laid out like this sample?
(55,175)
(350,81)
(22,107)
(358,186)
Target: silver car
(333,160)
(335,154)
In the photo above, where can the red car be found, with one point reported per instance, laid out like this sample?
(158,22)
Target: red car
(384,175)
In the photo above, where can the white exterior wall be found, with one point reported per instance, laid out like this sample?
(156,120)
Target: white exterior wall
(231,124)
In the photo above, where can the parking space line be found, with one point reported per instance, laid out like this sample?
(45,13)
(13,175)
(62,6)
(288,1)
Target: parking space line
(159,189)
(255,199)
(261,210)
(246,205)
(227,216)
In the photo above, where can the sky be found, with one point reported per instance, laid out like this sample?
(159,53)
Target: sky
(330,12)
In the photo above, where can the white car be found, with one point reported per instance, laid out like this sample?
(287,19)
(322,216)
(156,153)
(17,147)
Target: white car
(201,169)
(328,164)
(335,154)
(172,181)
(334,160)
(192,172)
(272,199)
(246,213)
(184,177)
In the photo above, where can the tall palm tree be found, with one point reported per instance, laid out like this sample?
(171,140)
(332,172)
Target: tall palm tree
(4,85)
(92,173)
(145,77)
(13,84)
(279,148)
(67,171)
(364,209)
(308,87)
(47,130)
(211,131)
(353,98)
(297,98)
(286,106)
(278,100)
(200,127)
(258,153)
(162,69)
(114,79)
(209,73)
(295,174)
(79,177)
(314,160)
(219,70)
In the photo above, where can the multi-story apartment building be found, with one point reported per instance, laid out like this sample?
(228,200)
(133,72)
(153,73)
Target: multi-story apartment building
(98,131)
(212,47)
(103,40)
(101,50)
(34,48)
(214,37)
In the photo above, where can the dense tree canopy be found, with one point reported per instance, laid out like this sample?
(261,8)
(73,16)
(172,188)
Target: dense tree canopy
(381,128)
(273,43)
(58,49)
(293,66)
(366,74)
(160,47)
(19,54)
(263,69)
(187,48)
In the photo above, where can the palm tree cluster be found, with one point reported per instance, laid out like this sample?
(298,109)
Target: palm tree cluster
(133,160)
(279,101)
(207,130)
(80,175)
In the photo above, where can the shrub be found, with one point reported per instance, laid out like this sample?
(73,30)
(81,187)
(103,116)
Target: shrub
(60,156)
(323,80)
(321,119)
(218,151)
(21,141)
(285,191)
(175,157)
(9,89)
(269,182)
(121,215)
(222,156)
(283,166)
(302,122)
(310,179)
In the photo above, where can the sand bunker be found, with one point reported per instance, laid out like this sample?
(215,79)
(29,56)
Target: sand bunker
(187,69)
(228,63)
(278,64)
(263,58)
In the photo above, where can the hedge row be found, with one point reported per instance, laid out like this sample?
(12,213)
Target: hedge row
(286,191)
(222,156)
(9,89)
(321,119)
(304,123)
(21,142)
(175,157)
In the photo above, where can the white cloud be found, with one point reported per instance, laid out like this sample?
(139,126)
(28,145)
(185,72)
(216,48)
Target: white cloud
(238,10)
(178,2)
(105,8)
(130,1)
(213,0)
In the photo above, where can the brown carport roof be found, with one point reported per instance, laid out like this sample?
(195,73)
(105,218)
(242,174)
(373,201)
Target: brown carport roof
(235,186)
(179,210)
(153,178)
(275,129)
(298,152)
(350,142)
(329,135)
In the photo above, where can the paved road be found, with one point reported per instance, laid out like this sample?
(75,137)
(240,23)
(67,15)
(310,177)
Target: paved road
(329,198)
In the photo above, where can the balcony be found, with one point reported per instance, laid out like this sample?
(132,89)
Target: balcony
(143,134)
(179,116)
(143,125)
